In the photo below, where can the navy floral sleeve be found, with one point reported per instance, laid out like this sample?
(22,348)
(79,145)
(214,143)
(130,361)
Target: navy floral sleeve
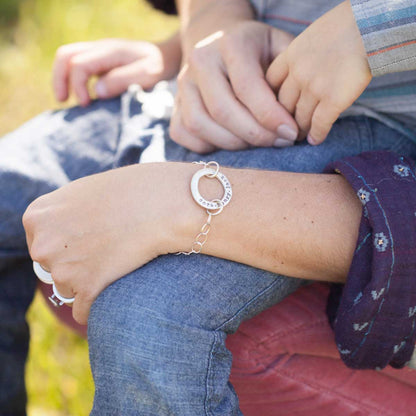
(374,314)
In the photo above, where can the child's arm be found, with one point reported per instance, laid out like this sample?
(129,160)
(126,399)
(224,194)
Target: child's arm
(388,30)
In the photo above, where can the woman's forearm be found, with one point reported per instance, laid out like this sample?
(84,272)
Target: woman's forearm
(300,225)
(202,18)
(97,229)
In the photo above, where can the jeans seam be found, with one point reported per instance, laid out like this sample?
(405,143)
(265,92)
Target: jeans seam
(251,301)
(208,411)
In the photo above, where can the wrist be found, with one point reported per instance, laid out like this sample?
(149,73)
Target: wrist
(171,53)
(183,217)
(211,17)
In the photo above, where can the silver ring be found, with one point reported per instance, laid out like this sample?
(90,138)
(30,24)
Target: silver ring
(57,299)
(42,274)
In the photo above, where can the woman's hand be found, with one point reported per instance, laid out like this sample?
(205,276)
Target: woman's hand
(117,62)
(99,228)
(223,100)
(322,72)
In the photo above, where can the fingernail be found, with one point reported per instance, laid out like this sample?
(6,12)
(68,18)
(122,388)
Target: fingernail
(282,143)
(311,140)
(100,89)
(286,132)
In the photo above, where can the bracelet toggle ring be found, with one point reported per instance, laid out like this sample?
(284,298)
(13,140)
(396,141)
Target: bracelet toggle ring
(42,274)
(57,299)
(216,204)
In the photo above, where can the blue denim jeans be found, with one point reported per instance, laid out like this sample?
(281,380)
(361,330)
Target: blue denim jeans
(156,336)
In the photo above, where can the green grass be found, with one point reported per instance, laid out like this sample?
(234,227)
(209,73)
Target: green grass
(58,376)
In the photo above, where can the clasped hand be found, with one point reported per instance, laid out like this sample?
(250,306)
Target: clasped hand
(225,101)
(97,229)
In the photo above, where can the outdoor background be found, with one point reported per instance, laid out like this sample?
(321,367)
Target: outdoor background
(58,375)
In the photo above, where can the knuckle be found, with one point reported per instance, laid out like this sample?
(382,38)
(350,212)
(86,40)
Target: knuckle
(31,216)
(266,116)
(315,88)
(219,112)
(28,218)
(192,122)
(298,74)
(202,147)
(228,42)
(76,63)
(241,88)
(256,137)
(39,252)
(197,58)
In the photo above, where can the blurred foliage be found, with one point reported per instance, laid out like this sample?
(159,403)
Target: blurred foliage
(58,376)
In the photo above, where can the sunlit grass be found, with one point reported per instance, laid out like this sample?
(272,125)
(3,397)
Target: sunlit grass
(58,376)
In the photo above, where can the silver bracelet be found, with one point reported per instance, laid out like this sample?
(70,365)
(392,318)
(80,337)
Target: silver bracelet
(214,207)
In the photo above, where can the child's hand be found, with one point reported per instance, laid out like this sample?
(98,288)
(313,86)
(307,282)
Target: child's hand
(322,72)
(117,62)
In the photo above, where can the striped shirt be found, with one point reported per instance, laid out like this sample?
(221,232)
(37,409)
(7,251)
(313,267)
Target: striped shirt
(388,30)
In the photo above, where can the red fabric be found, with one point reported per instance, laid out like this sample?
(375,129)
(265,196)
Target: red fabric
(286,363)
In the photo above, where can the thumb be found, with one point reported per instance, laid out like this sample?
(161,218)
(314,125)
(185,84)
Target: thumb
(116,81)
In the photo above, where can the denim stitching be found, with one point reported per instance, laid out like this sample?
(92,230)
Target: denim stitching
(208,393)
(251,301)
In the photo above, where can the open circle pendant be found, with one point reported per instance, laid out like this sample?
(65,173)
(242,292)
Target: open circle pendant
(216,203)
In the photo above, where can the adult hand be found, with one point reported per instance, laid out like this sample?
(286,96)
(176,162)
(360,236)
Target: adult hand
(223,100)
(117,62)
(97,229)
(322,72)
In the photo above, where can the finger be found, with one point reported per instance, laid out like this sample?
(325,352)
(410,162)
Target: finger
(93,62)
(225,109)
(323,118)
(288,95)
(249,85)
(305,108)
(60,71)
(180,135)
(118,79)
(277,72)
(81,308)
(199,123)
